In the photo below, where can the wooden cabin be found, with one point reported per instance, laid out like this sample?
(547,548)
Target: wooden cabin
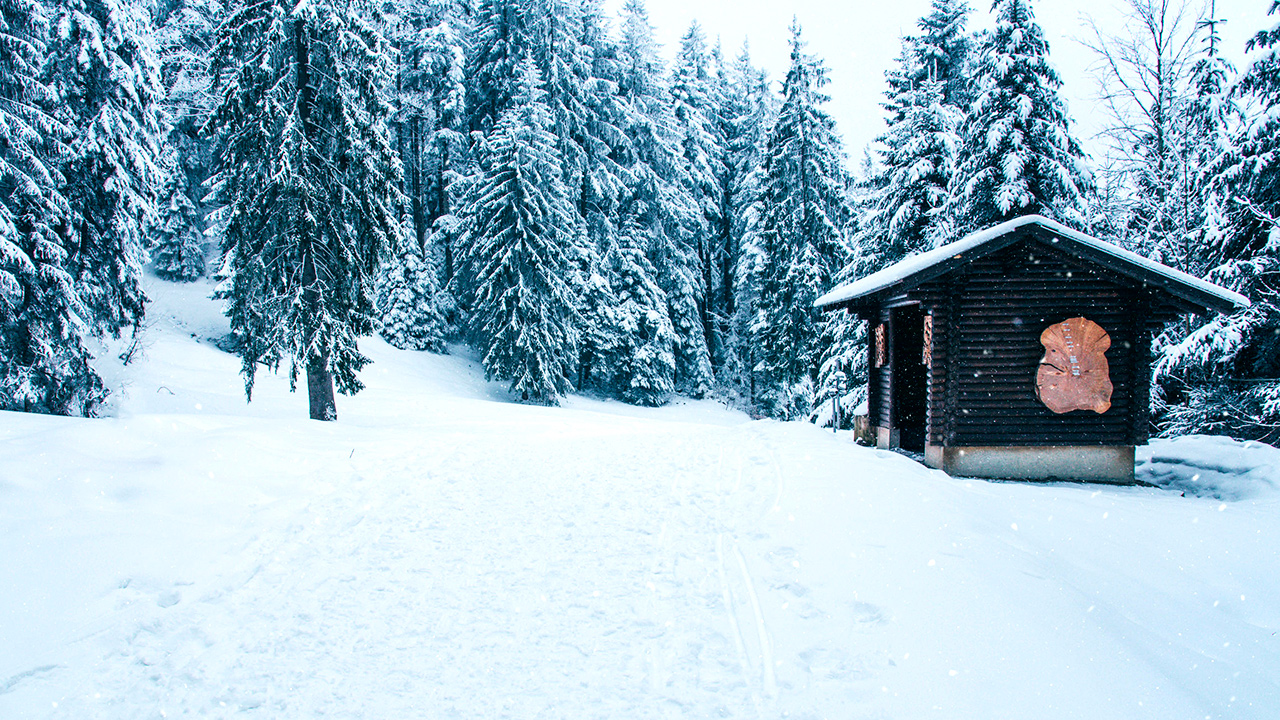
(1022,351)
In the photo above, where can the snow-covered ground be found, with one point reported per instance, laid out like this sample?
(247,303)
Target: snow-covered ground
(442,553)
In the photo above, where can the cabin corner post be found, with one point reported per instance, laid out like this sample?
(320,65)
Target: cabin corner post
(1140,362)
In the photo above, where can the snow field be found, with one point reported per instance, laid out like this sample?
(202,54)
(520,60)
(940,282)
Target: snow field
(440,553)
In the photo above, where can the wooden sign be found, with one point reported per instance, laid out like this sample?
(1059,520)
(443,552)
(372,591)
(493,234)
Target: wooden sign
(926,356)
(1074,374)
(881,349)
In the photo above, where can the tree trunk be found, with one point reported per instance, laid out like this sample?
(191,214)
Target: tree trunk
(319,378)
(320,389)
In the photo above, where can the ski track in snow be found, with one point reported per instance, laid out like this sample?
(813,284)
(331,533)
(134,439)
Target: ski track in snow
(422,586)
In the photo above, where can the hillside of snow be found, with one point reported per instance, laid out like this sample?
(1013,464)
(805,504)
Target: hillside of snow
(440,552)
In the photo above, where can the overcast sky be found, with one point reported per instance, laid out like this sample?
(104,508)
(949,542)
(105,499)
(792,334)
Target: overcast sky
(859,39)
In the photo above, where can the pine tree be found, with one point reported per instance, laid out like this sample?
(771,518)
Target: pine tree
(746,115)
(104,69)
(804,211)
(520,251)
(918,159)
(1018,156)
(688,268)
(430,117)
(1210,115)
(845,338)
(310,181)
(657,216)
(568,42)
(942,52)
(185,31)
(44,366)
(643,360)
(408,301)
(178,252)
(1221,378)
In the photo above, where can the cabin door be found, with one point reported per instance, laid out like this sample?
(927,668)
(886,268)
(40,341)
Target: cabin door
(909,377)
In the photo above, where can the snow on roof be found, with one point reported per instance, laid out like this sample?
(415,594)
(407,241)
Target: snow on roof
(916,264)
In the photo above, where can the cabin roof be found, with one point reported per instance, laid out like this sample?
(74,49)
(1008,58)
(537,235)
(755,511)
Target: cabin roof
(1195,293)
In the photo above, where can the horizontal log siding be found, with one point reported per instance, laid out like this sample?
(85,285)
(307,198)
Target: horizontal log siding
(983,374)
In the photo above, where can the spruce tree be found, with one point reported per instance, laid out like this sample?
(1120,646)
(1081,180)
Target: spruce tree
(104,68)
(942,52)
(643,361)
(918,159)
(1018,156)
(178,251)
(408,302)
(430,117)
(688,268)
(520,250)
(1220,379)
(44,366)
(745,115)
(657,216)
(185,31)
(804,212)
(310,181)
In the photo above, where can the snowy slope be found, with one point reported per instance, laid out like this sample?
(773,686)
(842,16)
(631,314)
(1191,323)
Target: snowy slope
(442,553)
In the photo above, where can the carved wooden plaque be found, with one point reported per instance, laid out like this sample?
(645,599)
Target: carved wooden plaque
(1074,374)
(927,356)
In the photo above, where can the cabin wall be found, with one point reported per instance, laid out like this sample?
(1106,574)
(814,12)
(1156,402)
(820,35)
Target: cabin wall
(988,317)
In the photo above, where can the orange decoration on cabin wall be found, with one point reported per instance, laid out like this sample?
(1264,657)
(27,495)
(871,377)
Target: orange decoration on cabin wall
(1074,374)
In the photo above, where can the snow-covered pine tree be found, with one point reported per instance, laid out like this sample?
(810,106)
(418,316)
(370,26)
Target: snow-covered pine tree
(310,182)
(1208,120)
(408,301)
(185,32)
(1208,117)
(178,251)
(44,366)
(845,339)
(1018,156)
(1221,378)
(918,154)
(582,93)
(642,365)
(688,268)
(104,68)
(519,251)
(657,216)
(430,116)
(568,42)
(746,114)
(902,209)
(804,211)
(942,51)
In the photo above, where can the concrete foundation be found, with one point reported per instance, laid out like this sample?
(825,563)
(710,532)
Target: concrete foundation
(886,438)
(1112,464)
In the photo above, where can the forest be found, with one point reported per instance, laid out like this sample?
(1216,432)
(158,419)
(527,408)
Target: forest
(536,179)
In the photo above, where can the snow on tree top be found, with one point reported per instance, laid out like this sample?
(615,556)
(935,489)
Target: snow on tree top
(918,268)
